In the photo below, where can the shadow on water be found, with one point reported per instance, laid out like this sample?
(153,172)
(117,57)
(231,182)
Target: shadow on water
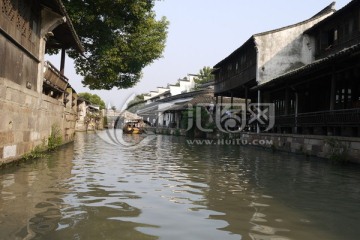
(167,189)
(265,196)
(36,202)
(31,195)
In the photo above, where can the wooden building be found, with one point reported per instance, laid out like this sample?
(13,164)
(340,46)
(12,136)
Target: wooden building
(323,97)
(309,71)
(264,56)
(34,94)
(28,29)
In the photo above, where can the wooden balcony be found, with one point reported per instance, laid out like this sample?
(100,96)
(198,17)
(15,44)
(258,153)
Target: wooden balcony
(285,121)
(235,81)
(338,46)
(53,78)
(345,117)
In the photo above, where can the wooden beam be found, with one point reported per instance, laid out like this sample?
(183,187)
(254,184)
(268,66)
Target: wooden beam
(333,91)
(62,63)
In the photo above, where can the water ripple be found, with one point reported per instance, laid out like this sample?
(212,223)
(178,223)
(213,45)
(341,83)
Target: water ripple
(170,190)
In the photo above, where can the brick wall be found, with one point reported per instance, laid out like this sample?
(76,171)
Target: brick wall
(26,118)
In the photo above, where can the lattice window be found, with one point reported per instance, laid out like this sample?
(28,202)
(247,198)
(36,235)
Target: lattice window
(31,36)
(19,12)
(33,21)
(20,17)
(20,21)
(9,9)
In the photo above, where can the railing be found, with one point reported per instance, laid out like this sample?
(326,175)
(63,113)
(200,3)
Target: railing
(325,118)
(54,78)
(285,120)
(235,81)
(338,46)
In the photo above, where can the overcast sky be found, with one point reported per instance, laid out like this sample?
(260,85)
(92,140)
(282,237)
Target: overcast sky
(202,33)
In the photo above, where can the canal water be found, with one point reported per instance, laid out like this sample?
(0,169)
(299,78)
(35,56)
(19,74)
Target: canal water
(168,189)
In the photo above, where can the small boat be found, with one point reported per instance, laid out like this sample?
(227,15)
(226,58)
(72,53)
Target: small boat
(133,127)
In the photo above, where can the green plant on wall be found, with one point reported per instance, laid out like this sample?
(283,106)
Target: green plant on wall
(37,152)
(55,138)
(53,141)
(338,150)
(105,121)
(177,132)
(192,115)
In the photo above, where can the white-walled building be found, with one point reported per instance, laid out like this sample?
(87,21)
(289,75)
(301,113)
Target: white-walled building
(182,86)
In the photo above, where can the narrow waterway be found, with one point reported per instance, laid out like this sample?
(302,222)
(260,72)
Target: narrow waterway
(166,189)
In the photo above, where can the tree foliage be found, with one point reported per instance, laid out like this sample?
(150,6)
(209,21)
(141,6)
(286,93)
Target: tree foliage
(136,103)
(137,99)
(120,38)
(205,75)
(93,98)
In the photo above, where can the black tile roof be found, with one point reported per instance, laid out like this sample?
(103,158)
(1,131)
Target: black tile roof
(251,40)
(65,31)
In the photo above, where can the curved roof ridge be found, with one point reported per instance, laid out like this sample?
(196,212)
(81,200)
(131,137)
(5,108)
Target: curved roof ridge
(328,9)
(351,4)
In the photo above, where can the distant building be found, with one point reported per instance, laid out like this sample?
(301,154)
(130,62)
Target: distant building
(89,116)
(184,85)
(162,112)
(111,115)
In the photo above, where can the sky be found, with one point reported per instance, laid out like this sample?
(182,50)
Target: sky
(202,33)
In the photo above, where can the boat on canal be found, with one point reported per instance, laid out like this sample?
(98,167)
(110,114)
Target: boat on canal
(133,127)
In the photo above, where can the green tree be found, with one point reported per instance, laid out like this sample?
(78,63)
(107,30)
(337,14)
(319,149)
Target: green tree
(136,103)
(137,99)
(205,75)
(120,38)
(93,98)
(194,132)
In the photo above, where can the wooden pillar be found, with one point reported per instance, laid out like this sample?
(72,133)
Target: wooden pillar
(62,63)
(221,102)
(259,101)
(216,104)
(246,105)
(286,112)
(246,98)
(333,91)
(296,111)
(346,87)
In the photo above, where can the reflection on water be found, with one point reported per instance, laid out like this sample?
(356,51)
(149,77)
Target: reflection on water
(169,190)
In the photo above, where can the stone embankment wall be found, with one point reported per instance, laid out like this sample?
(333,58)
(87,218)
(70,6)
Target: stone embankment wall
(335,148)
(166,131)
(27,118)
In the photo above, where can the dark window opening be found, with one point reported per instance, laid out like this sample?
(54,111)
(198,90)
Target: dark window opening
(351,27)
(332,38)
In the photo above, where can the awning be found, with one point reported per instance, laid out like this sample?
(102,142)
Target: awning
(148,110)
(173,107)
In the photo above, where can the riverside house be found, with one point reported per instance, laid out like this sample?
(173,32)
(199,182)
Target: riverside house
(323,96)
(264,56)
(310,72)
(35,97)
